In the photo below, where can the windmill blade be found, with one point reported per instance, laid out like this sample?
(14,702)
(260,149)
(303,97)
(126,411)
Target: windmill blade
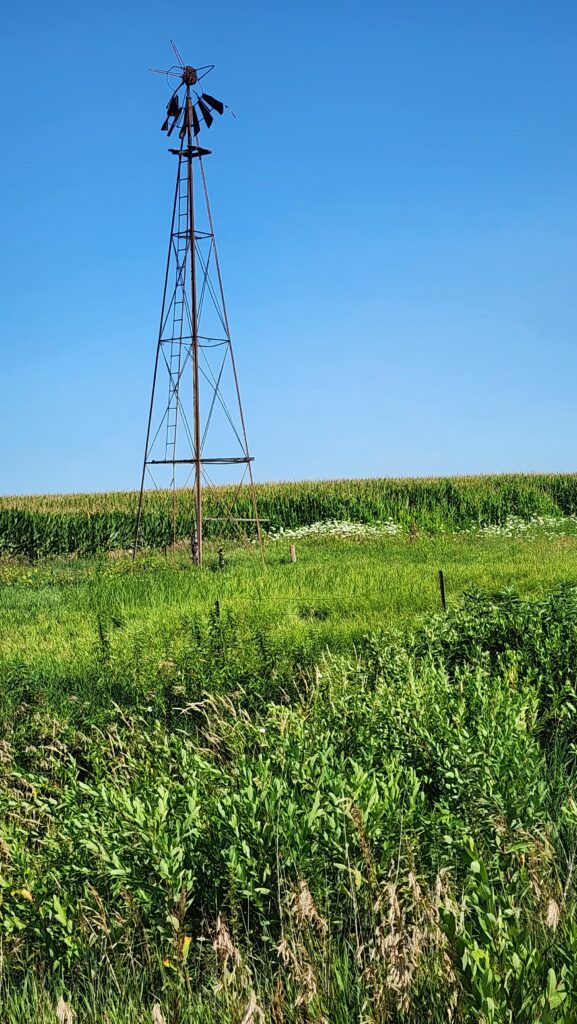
(205,113)
(174,124)
(215,104)
(176,121)
(195,122)
(173,106)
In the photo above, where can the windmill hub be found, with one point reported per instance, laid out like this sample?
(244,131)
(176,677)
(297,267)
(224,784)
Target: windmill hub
(189,75)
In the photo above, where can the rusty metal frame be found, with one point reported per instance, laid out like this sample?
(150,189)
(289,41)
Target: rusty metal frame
(187,298)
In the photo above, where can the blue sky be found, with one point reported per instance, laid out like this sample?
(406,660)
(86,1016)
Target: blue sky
(396,212)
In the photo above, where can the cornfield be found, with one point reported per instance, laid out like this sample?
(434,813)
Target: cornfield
(39,525)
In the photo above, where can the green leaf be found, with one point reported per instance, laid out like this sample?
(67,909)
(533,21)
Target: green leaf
(61,915)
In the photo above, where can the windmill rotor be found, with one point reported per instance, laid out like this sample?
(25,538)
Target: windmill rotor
(192,113)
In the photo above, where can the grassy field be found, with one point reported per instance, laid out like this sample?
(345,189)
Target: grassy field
(293,792)
(62,620)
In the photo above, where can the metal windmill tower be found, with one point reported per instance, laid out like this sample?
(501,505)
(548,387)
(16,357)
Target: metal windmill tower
(195,402)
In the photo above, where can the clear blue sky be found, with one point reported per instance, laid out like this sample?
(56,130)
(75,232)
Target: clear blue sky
(396,212)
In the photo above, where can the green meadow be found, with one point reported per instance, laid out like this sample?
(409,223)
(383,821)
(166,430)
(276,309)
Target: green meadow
(59,619)
(294,792)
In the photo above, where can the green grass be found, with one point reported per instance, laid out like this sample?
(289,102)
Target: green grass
(94,630)
(327,793)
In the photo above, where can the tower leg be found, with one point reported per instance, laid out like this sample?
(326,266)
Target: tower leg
(197,548)
(151,408)
(233,363)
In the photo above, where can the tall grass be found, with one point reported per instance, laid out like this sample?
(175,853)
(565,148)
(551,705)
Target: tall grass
(79,633)
(392,838)
(55,524)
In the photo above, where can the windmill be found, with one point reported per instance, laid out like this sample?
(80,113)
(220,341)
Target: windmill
(196,427)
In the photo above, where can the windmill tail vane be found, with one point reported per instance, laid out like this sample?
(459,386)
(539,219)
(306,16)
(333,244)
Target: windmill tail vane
(196,427)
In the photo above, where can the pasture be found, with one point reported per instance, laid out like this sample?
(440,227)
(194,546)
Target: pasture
(295,792)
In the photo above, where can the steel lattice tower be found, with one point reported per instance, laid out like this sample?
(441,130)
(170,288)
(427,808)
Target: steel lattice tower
(195,398)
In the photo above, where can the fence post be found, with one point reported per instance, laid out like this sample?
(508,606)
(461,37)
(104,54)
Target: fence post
(442,589)
(293,553)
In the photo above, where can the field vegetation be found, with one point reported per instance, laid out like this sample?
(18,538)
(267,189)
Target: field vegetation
(59,524)
(293,792)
